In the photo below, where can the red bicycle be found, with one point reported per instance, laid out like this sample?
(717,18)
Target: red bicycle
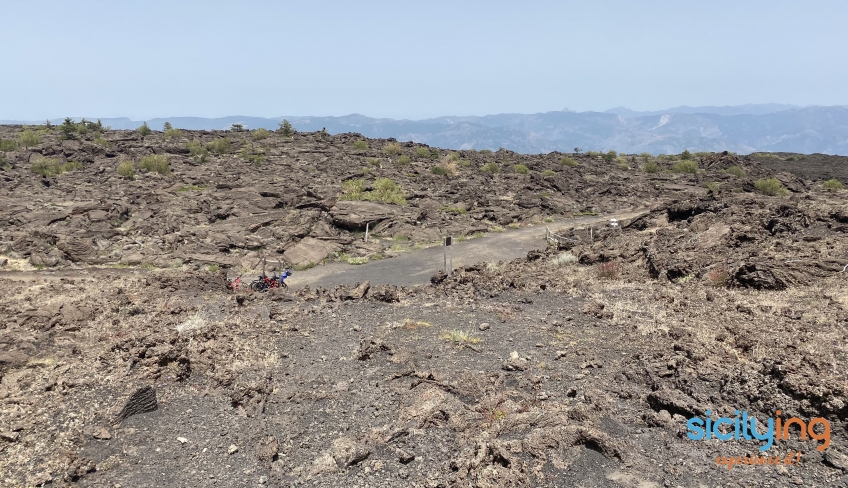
(264,283)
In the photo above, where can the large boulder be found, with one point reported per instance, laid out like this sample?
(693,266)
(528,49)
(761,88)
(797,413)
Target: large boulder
(356,214)
(310,251)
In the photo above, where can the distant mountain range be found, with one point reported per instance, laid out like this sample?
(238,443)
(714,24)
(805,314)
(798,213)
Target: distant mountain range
(742,128)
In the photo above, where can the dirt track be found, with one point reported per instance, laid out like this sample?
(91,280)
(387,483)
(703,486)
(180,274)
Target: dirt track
(417,267)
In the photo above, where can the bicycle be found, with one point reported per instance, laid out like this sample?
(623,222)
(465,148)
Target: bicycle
(264,283)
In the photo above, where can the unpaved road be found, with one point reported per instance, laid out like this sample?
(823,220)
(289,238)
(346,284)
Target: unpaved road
(417,267)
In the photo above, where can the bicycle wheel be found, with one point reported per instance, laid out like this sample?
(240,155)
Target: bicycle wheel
(257,286)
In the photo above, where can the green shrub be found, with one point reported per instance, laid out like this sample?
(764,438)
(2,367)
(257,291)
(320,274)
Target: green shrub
(260,134)
(172,133)
(713,186)
(29,138)
(167,126)
(736,171)
(454,210)
(685,154)
(548,173)
(53,167)
(127,170)
(485,151)
(770,186)
(143,131)
(361,145)
(702,154)
(521,169)
(254,157)
(832,185)
(375,162)
(453,156)
(197,151)
(439,170)
(623,165)
(566,161)
(68,129)
(82,127)
(8,145)
(686,166)
(236,128)
(286,129)
(646,155)
(221,146)
(387,191)
(609,156)
(100,141)
(404,160)
(352,190)
(155,163)
(393,148)
(652,167)
(490,168)
(422,152)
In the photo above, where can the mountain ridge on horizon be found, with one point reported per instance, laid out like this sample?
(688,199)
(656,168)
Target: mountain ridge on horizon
(741,128)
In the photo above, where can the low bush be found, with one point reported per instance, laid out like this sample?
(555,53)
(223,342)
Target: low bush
(770,186)
(490,168)
(393,149)
(386,191)
(53,167)
(361,145)
(172,133)
(256,158)
(439,171)
(713,186)
(609,156)
(221,146)
(260,134)
(29,138)
(832,185)
(127,170)
(197,151)
(404,160)
(8,145)
(375,162)
(685,166)
(736,171)
(352,190)
(566,161)
(652,167)
(446,167)
(564,259)
(521,169)
(102,142)
(685,154)
(422,152)
(623,165)
(155,163)
(286,129)
(548,173)
(608,270)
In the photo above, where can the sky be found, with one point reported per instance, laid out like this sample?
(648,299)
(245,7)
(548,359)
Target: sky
(413,59)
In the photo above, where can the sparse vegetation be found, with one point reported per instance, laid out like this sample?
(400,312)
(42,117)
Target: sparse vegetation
(237,128)
(361,145)
(102,142)
(713,186)
(253,156)
(67,130)
(260,134)
(454,210)
(221,146)
(393,149)
(127,170)
(29,138)
(521,169)
(548,173)
(685,154)
(490,168)
(736,171)
(610,270)
(770,186)
(460,337)
(652,167)
(8,145)
(48,167)
(564,259)
(832,185)
(199,153)
(404,160)
(352,190)
(386,191)
(623,165)
(422,152)
(286,129)
(609,156)
(156,163)
(172,133)
(167,126)
(685,166)
(446,167)
(143,131)
(566,161)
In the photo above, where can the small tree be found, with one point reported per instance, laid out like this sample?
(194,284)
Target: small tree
(286,129)
(685,154)
(167,126)
(48,125)
(577,150)
(237,128)
(68,129)
(144,130)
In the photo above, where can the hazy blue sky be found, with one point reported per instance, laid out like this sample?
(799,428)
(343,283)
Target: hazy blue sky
(144,59)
